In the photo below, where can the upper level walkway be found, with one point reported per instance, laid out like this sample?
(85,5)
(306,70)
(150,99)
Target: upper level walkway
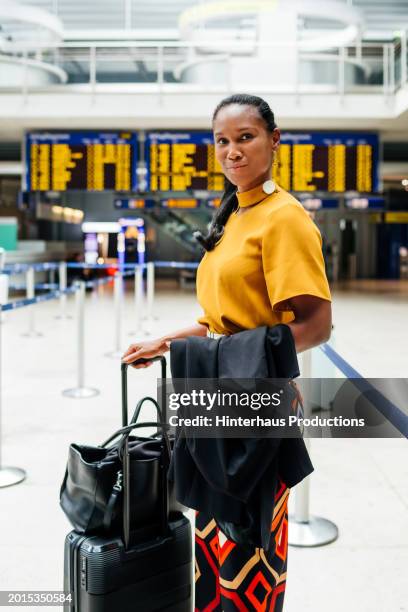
(175,84)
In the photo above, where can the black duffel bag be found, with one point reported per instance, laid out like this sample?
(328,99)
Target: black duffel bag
(91,492)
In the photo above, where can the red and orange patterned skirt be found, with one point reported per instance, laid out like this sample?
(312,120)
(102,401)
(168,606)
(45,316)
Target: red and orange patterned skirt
(229,577)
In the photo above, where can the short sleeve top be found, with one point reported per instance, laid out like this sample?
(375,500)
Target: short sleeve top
(269,252)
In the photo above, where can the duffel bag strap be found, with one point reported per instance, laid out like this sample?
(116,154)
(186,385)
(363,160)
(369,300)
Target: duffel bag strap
(111,505)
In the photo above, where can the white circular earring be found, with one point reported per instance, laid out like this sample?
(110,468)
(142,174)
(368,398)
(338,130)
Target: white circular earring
(268,187)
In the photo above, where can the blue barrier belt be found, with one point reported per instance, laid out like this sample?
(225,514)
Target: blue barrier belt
(339,362)
(98,282)
(176,264)
(38,267)
(36,300)
(390,411)
(55,294)
(103,281)
(105,266)
(38,287)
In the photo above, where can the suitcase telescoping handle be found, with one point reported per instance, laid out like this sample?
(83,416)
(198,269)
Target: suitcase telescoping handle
(124,367)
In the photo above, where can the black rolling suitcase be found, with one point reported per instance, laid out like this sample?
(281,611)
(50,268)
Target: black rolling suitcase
(143,571)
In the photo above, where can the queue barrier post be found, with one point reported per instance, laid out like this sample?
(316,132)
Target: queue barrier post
(306,530)
(51,275)
(138,299)
(4,282)
(62,284)
(4,291)
(80,391)
(118,308)
(150,280)
(8,475)
(30,293)
(323,396)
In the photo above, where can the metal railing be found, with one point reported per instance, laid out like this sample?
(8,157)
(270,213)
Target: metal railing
(167,67)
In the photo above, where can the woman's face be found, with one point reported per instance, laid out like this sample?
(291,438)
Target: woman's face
(243,145)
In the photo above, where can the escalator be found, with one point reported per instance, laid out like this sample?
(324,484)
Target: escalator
(176,227)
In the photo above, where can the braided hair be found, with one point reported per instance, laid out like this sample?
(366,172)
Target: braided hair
(229,200)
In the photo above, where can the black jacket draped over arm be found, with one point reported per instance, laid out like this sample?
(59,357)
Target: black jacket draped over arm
(235,480)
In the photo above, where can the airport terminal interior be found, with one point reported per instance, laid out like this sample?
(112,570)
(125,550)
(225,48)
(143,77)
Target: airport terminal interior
(108,167)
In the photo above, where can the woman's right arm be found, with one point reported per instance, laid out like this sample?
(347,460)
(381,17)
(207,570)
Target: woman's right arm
(153,348)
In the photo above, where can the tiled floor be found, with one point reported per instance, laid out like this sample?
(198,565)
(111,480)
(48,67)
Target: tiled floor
(361,485)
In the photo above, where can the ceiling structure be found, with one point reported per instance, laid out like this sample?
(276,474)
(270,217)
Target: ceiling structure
(382,19)
(92,21)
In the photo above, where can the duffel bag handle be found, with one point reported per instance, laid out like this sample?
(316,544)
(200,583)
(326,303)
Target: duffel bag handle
(125,431)
(139,407)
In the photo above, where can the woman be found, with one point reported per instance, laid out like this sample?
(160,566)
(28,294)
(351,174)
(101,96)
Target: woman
(263,266)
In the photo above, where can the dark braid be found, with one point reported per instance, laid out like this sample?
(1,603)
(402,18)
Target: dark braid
(229,203)
(229,200)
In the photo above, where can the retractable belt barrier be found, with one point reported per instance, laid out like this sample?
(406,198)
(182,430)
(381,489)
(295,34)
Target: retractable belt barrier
(30,286)
(38,286)
(144,300)
(52,295)
(190,265)
(62,279)
(389,410)
(105,266)
(306,531)
(13,475)
(18,268)
(81,391)
(118,296)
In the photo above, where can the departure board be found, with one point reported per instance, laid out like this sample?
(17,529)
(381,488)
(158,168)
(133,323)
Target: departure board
(306,162)
(90,161)
(182,161)
(327,162)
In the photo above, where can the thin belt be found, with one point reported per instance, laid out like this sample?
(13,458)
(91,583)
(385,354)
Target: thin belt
(211,334)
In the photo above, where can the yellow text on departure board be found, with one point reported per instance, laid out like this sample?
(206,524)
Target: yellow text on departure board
(99,156)
(60,167)
(174,167)
(303,172)
(281,170)
(40,167)
(63,162)
(336,168)
(215,174)
(364,168)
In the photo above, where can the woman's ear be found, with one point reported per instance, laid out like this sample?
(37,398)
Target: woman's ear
(275,139)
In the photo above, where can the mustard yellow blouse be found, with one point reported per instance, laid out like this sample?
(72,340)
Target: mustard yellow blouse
(270,252)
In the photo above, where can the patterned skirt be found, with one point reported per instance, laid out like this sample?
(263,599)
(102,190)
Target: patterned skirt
(229,577)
